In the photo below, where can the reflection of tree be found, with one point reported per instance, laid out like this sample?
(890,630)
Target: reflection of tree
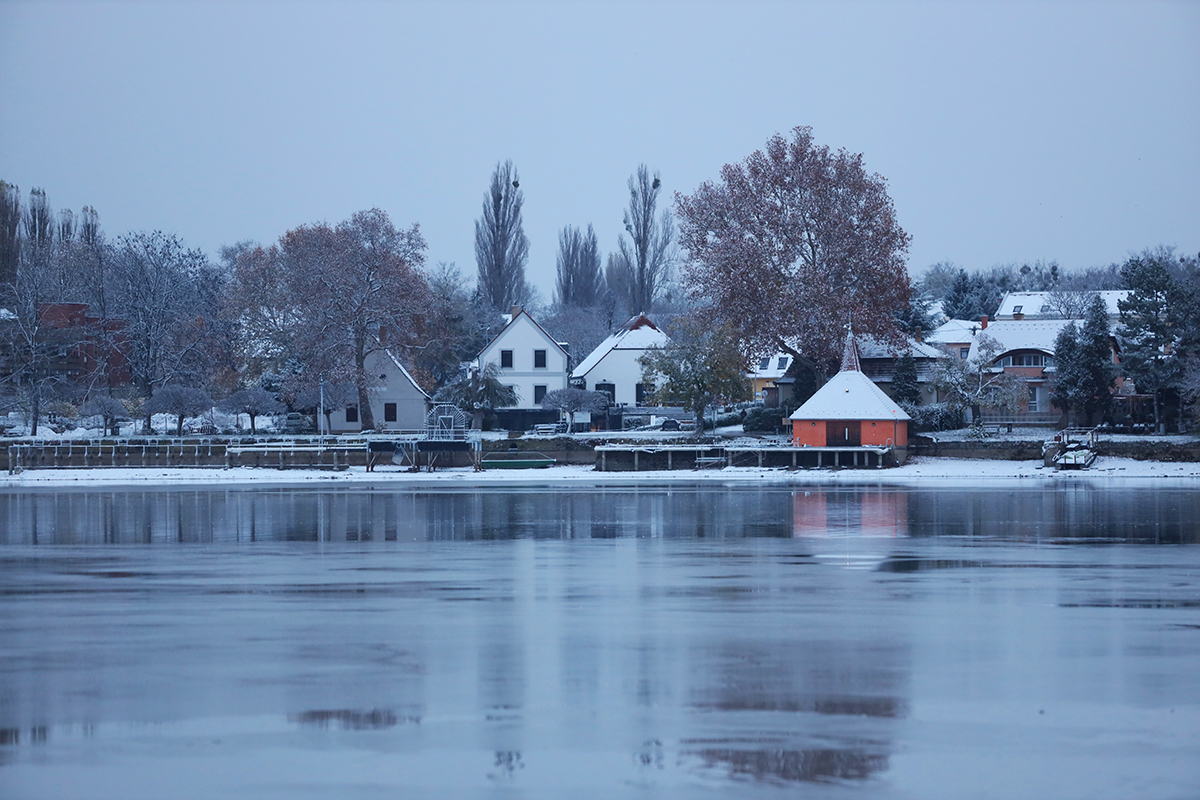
(823,764)
(804,686)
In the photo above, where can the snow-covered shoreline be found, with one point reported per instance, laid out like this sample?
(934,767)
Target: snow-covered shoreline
(920,471)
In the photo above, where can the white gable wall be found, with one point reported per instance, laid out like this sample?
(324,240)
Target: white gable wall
(523,337)
(615,361)
(393,384)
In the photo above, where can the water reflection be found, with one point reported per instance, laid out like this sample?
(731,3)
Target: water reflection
(789,766)
(351,720)
(701,512)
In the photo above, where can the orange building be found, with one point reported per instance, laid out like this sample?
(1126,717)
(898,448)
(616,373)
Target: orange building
(850,411)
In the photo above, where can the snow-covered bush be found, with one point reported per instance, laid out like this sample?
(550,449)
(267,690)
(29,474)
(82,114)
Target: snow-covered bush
(934,417)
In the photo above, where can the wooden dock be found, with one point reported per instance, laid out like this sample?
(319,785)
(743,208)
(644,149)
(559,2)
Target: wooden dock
(641,458)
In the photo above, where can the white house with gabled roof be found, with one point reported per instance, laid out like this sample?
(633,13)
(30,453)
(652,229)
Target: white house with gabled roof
(529,359)
(398,403)
(613,366)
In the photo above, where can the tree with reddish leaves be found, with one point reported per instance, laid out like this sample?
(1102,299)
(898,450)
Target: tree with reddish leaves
(355,289)
(791,246)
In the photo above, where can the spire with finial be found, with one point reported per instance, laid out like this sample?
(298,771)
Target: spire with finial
(850,354)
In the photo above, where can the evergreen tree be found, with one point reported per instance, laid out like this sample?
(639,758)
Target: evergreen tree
(1095,351)
(1145,333)
(1067,390)
(904,381)
(1084,372)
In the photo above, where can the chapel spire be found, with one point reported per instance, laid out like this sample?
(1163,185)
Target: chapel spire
(850,354)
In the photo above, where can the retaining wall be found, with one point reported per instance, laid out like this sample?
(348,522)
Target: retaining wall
(1032,451)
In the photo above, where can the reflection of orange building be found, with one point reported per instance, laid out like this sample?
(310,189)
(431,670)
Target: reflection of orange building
(869,512)
(850,411)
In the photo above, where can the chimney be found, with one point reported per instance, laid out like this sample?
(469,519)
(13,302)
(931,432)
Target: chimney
(514,310)
(983,323)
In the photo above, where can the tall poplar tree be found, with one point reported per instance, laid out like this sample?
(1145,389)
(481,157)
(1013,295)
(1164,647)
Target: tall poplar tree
(501,247)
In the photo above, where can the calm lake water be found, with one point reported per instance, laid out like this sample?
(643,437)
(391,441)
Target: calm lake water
(690,641)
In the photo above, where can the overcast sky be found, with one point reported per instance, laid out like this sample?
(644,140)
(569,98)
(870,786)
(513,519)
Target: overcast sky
(1006,131)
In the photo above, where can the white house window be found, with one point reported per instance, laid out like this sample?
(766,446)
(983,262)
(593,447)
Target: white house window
(608,388)
(1024,360)
(539,359)
(539,393)
(1036,398)
(506,360)
(764,364)
(351,413)
(963,352)
(389,412)
(783,362)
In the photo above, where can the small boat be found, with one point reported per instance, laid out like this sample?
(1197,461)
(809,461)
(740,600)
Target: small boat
(1076,456)
(516,460)
(1073,449)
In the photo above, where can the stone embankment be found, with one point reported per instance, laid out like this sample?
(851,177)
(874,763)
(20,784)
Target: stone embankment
(266,452)
(1022,450)
(340,452)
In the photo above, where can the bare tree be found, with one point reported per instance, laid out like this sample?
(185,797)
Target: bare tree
(182,401)
(155,281)
(252,402)
(501,247)
(571,401)
(458,325)
(645,258)
(109,409)
(1070,304)
(39,220)
(31,341)
(357,289)
(580,281)
(973,384)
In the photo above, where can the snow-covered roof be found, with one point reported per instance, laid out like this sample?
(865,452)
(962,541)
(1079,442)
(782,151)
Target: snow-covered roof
(954,331)
(1044,305)
(638,333)
(1022,334)
(850,395)
(868,347)
(404,372)
(775,367)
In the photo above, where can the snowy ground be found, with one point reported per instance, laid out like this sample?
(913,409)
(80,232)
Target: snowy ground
(918,470)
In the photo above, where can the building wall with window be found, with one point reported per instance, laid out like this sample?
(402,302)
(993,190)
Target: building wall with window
(613,366)
(529,359)
(397,402)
